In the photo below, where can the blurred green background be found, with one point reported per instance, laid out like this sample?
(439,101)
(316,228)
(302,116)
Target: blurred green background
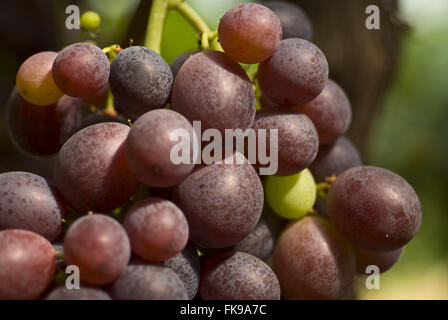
(409,135)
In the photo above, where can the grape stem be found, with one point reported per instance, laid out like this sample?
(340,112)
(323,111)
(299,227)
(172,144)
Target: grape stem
(154,30)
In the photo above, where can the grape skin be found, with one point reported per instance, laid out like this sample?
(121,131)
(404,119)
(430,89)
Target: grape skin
(35,80)
(313,261)
(28,202)
(250,33)
(27,264)
(148,282)
(222,202)
(81,70)
(374,208)
(187,267)
(180,60)
(298,141)
(296,73)
(295,22)
(84,293)
(96,118)
(99,246)
(384,260)
(330,112)
(157,229)
(213,89)
(237,276)
(42,130)
(140,81)
(91,170)
(148,148)
(335,159)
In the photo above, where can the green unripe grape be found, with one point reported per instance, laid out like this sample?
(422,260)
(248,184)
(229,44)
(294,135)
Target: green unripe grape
(90,20)
(291,197)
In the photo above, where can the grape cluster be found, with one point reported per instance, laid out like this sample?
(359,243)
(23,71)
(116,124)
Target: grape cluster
(139,226)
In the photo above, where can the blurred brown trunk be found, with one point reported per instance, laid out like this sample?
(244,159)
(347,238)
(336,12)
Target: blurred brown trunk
(363,61)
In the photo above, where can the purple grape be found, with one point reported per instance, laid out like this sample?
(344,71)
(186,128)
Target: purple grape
(296,73)
(237,276)
(27,264)
(28,202)
(91,170)
(187,267)
(384,260)
(42,130)
(81,70)
(335,159)
(313,261)
(295,22)
(250,33)
(222,202)
(148,282)
(140,81)
(157,229)
(374,208)
(180,60)
(84,293)
(298,141)
(212,88)
(149,148)
(99,247)
(330,112)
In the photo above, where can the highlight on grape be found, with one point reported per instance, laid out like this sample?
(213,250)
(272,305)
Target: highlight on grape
(250,142)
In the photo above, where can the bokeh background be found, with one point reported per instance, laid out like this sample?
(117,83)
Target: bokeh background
(396,77)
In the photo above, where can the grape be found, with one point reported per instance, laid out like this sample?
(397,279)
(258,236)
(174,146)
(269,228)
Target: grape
(27,263)
(330,112)
(99,247)
(28,202)
(296,73)
(237,276)
(213,89)
(250,33)
(42,130)
(313,261)
(335,159)
(149,148)
(35,80)
(90,20)
(180,60)
(91,170)
(84,293)
(295,22)
(291,197)
(98,100)
(187,267)
(298,141)
(384,260)
(157,229)
(260,242)
(148,282)
(96,118)
(374,208)
(81,70)
(222,202)
(140,81)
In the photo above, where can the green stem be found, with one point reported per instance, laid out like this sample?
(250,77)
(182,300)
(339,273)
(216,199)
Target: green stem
(156,21)
(110,108)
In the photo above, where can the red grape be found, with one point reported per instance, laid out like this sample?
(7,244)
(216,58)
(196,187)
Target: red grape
(330,112)
(313,261)
(91,170)
(374,208)
(84,293)
(296,73)
(27,263)
(180,60)
(250,33)
(157,229)
(237,276)
(99,247)
(384,260)
(81,70)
